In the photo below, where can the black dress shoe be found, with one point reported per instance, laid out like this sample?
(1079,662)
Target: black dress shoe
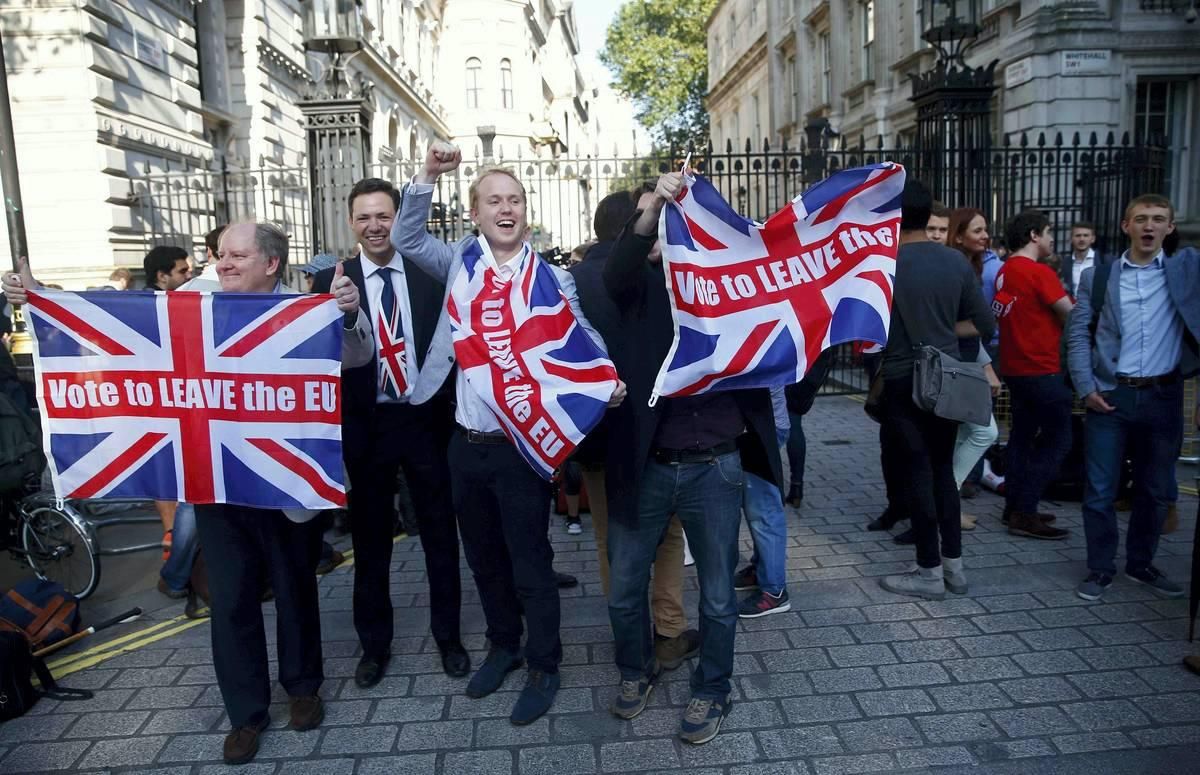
(370,669)
(455,660)
(884,521)
(906,538)
(565,580)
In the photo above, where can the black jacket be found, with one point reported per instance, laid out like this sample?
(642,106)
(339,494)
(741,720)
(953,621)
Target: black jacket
(360,386)
(639,292)
(605,317)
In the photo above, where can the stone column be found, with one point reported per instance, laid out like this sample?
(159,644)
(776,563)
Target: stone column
(339,146)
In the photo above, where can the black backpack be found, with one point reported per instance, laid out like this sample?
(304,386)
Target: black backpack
(20,446)
(18,665)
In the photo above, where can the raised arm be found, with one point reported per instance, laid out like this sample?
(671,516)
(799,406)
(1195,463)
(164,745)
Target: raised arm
(409,236)
(625,270)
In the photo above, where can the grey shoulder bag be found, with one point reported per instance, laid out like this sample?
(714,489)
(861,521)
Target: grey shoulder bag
(948,387)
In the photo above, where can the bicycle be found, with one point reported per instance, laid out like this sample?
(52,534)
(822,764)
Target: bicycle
(58,541)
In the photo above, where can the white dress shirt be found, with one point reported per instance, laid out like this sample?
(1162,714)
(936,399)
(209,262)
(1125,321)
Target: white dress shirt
(374,283)
(1077,267)
(472,412)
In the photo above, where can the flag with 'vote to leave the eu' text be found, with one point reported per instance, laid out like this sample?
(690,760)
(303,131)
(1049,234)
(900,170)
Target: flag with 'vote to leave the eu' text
(191,396)
(755,304)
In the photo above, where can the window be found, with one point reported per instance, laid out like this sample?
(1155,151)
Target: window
(826,73)
(506,89)
(868,37)
(1161,111)
(473,68)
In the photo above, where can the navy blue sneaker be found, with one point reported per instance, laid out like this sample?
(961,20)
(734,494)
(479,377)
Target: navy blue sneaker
(702,720)
(536,698)
(632,697)
(490,675)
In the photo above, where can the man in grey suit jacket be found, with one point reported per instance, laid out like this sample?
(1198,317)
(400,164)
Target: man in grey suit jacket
(1129,363)
(503,505)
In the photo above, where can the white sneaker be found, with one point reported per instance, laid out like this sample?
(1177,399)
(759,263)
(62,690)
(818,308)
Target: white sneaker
(928,583)
(574,528)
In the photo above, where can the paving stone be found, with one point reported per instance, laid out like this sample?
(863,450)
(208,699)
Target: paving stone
(893,612)
(957,727)
(1170,652)
(194,748)
(130,752)
(949,627)
(40,757)
(894,702)
(1005,603)
(795,659)
(392,685)
(1008,622)
(1119,634)
(1028,691)
(638,755)
(1174,678)
(951,606)
(769,685)
(435,735)
(927,650)
(401,710)
(753,715)
(1013,749)
(317,767)
(478,762)
(1049,662)
(1160,736)
(284,743)
(1121,683)
(1065,617)
(885,734)
(31,728)
(123,724)
(883,632)
(824,618)
(809,710)
(1171,708)
(1028,722)
(982,668)
(1126,612)
(174,721)
(1056,639)
(820,636)
(652,722)
(558,760)
(771,768)
(736,748)
(156,697)
(847,765)
(496,733)
(859,656)
(799,742)
(359,739)
(413,764)
(913,674)
(771,640)
(849,679)
(1092,741)
(991,645)
(981,696)
(141,677)
(934,757)
(1117,657)
(598,727)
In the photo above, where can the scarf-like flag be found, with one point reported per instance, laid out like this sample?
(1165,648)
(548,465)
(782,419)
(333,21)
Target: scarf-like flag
(755,304)
(523,352)
(191,396)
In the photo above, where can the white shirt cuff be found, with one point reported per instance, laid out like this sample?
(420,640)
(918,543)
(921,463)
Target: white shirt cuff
(420,188)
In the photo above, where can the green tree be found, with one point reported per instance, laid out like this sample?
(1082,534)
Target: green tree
(657,48)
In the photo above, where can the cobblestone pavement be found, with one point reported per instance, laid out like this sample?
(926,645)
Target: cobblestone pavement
(852,680)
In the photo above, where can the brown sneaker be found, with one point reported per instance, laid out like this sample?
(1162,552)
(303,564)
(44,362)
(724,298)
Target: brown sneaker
(671,652)
(306,712)
(241,744)
(1171,524)
(1033,526)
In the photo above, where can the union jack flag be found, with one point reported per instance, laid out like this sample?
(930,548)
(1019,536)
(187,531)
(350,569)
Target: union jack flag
(755,304)
(191,396)
(523,352)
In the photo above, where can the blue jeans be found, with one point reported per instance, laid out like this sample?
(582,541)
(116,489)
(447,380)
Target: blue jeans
(707,498)
(177,570)
(1147,427)
(1039,439)
(797,450)
(768,526)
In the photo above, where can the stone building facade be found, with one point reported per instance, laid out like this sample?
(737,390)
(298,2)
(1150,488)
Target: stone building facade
(1062,66)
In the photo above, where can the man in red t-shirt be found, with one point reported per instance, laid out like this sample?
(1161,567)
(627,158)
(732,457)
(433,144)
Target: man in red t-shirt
(1031,307)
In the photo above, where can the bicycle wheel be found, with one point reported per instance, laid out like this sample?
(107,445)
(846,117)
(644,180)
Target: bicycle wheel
(58,550)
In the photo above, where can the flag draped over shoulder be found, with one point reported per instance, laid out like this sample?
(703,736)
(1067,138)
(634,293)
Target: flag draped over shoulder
(523,352)
(191,396)
(755,304)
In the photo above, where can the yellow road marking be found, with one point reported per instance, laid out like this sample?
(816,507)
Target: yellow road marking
(133,641)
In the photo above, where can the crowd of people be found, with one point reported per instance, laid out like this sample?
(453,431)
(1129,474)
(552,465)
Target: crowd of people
(672,480)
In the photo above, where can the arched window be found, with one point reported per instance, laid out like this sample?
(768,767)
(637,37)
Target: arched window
(473,68)
(506,87)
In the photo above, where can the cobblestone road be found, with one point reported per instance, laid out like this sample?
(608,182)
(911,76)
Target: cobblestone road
(852,680)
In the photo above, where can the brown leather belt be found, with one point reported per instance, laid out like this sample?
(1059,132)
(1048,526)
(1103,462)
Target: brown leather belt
(1144,382)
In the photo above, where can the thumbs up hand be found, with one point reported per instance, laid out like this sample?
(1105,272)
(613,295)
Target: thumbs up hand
(344,291)
(16,284)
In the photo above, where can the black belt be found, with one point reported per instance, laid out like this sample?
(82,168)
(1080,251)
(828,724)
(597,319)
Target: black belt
(673,457)
(1143,382)
(482,437)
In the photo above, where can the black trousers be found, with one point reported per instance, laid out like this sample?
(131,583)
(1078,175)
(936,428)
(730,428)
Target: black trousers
(921,447)
(238,543)
(412,439)
(504,515)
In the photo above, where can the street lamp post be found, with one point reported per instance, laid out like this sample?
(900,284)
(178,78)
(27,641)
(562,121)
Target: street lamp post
(14,212)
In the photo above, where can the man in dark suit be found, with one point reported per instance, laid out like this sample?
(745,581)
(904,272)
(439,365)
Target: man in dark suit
(1082,256)
(386,426)
(686,457)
